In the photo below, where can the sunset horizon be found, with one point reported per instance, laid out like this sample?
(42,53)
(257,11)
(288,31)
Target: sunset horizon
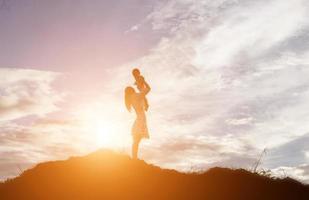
(226,83)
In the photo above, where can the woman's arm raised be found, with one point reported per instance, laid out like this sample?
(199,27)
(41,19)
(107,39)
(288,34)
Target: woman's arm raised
(147,89)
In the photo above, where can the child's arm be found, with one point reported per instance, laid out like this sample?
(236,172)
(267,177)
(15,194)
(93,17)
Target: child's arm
(146,89)
(140,83)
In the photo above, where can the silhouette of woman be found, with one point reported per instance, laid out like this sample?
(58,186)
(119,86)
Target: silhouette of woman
(137,101)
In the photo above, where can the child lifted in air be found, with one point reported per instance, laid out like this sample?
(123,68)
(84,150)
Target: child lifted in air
(140,84)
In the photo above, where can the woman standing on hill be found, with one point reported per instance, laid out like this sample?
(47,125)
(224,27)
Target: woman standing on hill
(138,101)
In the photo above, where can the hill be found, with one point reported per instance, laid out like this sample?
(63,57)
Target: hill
(109,175)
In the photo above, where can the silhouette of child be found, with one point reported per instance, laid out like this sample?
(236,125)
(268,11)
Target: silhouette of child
(140,84)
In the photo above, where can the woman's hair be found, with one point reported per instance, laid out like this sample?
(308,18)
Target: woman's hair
(128,97)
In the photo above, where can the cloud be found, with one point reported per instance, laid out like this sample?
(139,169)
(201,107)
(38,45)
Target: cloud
(240,121)
(300,172)
(26,92)
(22,146)
(199,152)
(228,79)
(227,68)
(305,173)
(215,67)
(289,154)
(12,164)
(248,31)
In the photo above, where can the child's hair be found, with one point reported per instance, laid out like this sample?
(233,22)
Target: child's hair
(136,72)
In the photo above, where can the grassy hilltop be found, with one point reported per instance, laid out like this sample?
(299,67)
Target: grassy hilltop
(108,175)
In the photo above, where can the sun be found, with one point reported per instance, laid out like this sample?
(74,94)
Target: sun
(105,129)
(104,134)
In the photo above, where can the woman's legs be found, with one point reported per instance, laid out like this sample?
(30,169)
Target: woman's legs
(136,141)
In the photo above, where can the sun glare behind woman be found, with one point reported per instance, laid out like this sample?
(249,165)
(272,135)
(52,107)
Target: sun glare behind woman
(106,130)
(103,134)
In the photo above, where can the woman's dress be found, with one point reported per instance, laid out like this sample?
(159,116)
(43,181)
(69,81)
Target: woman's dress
(139,129)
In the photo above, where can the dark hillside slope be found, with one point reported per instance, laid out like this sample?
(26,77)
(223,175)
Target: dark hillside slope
(108,175)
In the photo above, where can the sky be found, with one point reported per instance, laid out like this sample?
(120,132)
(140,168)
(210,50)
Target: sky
(229,80)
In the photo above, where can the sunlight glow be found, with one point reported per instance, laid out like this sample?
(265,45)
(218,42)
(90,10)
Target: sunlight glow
(107,130)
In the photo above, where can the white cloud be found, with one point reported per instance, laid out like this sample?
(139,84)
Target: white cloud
(300,173)
(217,71)
(226,76)
(22,146)
(250,29)
(26,92)
(200,152)
(224,68)
(240,121)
